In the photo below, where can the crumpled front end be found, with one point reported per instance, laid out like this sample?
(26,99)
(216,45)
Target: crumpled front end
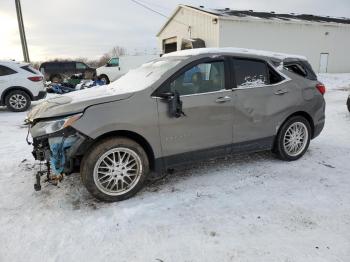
(58,145)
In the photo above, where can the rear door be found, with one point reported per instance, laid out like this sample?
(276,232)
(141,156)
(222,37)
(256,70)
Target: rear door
(6,76)
(262,99)
(206,128)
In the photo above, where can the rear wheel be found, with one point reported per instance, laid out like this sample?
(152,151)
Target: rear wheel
(17,101)
(293,139)
(114,169)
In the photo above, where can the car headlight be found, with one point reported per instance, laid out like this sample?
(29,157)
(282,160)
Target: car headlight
(52,126)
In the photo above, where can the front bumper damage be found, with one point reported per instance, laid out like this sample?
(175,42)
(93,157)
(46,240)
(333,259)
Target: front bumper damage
(60,152)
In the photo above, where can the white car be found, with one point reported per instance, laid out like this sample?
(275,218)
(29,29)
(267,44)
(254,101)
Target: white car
(118,66)
(19,85)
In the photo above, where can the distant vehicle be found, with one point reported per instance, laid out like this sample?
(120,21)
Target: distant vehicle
(118,66)
(154,119)
(57,71)
(19,85)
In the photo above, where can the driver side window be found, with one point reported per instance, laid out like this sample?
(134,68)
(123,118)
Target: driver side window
(202,78)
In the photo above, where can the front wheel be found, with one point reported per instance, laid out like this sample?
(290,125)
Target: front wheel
(114,169)
(293,139)
(105,79)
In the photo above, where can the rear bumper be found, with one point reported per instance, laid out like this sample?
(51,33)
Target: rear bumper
(41,95)
(318,129)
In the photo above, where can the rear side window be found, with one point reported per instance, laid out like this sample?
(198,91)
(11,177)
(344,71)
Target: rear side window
(297,69)
(250,73)
(29,69)
(301,68)
(254,73)
(4,71)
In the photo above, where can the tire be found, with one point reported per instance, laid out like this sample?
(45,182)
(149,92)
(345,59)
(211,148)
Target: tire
(286,147)
(104,179)
(56,79)
(348,103)
(105,78)
(17,101)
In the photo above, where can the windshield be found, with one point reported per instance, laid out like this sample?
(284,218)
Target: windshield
(144,76)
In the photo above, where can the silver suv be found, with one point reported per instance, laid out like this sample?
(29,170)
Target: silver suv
(186,106)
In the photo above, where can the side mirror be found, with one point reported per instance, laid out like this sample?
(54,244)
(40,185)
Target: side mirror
(174,102)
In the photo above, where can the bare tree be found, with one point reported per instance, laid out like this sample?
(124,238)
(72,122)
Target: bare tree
(117,51)
(104,59)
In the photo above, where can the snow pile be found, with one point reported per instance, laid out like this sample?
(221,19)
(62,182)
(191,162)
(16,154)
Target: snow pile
(235,50)
(335,81)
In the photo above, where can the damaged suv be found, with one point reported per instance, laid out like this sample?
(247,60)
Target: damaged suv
(186,106)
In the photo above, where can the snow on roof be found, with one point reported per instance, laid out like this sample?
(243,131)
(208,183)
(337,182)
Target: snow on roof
(233,50)
(227,12)
(12,62)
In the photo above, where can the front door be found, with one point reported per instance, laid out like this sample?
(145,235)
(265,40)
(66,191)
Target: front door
(205,129)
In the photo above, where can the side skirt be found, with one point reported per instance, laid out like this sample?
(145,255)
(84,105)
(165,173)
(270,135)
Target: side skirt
(164,163)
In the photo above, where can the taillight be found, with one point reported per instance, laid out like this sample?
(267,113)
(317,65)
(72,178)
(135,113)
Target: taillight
(35,78)
(321,88)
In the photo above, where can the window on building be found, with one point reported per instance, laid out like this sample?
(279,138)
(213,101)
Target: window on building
(202,78)
(4,71)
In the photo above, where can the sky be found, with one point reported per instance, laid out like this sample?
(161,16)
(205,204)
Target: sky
(90,28)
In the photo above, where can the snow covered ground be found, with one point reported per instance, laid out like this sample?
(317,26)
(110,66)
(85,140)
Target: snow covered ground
(243,208)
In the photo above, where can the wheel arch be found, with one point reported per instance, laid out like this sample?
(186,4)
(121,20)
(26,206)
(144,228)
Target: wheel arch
(304,114)
(13,88)
(104,75)
(133,136)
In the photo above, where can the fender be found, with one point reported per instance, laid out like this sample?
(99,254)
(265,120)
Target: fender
(9,89)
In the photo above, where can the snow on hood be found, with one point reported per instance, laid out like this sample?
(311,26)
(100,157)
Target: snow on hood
(200,51)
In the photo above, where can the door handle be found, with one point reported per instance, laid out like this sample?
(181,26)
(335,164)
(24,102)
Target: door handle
(281,92)
(223,99)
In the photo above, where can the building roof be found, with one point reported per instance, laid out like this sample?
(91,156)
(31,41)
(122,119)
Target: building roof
(227,12)
(267,16)
(234,50)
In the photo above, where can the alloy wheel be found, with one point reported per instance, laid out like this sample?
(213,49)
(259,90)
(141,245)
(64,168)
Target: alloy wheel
(18,101)
(295,138)
(117,171)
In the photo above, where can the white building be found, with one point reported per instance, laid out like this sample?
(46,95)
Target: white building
(325,41)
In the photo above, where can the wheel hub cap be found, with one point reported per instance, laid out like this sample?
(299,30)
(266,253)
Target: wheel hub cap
(18,101)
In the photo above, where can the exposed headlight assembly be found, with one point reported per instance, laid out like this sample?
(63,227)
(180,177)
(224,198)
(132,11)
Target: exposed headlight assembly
(48,127)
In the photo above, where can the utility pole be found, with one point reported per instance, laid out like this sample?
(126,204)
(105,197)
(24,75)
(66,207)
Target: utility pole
(21,31)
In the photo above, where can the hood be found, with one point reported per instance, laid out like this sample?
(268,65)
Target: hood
(75,102)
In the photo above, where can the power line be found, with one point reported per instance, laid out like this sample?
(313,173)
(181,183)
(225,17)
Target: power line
(155,11)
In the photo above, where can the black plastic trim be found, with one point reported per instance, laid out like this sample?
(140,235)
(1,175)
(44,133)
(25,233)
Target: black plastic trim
(168,162)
